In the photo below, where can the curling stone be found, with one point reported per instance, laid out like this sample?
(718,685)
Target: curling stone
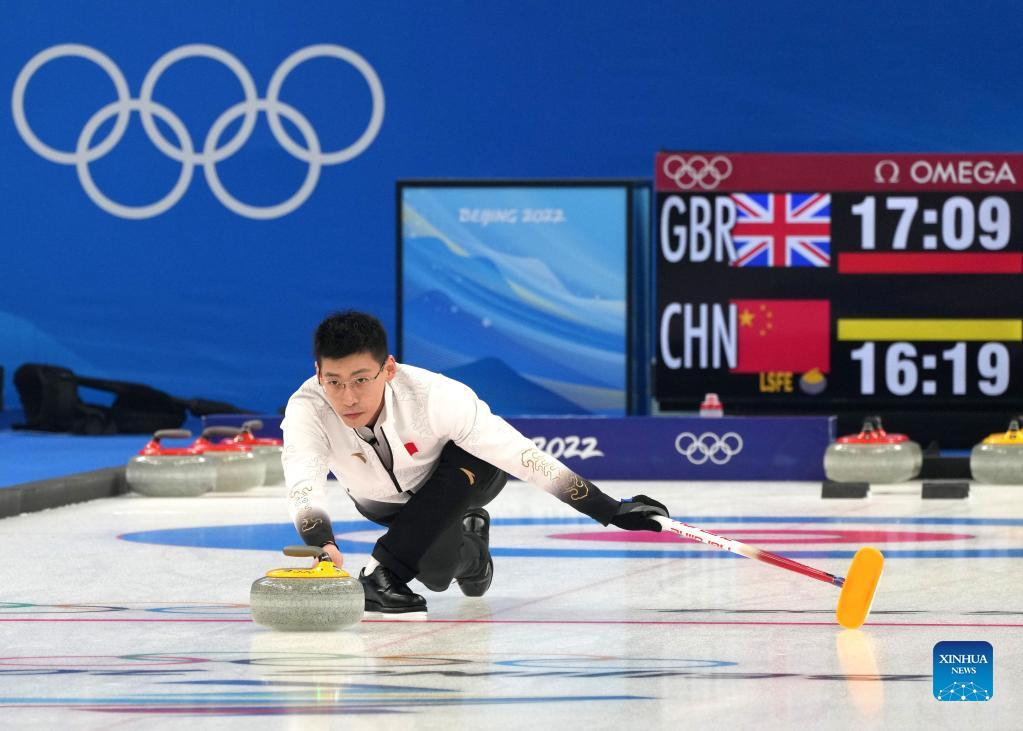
(307,600)
(160,471)
(265,448)
(998,460)
(237,467)
(873,455)
(712,406)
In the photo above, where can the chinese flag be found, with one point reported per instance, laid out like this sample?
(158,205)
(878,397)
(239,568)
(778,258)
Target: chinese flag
(782,335)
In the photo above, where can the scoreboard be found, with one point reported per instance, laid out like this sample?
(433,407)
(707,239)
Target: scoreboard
(840,281)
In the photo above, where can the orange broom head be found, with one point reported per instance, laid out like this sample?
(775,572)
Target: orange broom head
(860,585)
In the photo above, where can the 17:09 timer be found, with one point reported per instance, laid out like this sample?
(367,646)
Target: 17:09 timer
(904,370)
(959,222)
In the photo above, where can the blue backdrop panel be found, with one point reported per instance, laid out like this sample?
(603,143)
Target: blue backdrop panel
(180,239)
(519,292)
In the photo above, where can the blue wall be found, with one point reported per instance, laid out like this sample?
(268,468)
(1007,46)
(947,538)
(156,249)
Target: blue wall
(202,301)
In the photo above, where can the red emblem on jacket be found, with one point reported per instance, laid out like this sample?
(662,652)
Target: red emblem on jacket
(411,448)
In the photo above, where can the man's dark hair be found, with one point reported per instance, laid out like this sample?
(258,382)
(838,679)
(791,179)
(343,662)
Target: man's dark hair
(345,333)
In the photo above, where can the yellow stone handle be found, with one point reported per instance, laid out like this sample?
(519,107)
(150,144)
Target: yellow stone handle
(322,570)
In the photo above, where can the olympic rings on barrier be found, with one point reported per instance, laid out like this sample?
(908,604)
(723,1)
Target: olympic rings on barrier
(211,152)
(697,170)
(708,446)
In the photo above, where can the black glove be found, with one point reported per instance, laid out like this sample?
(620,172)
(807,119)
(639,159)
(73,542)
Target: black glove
(637,513)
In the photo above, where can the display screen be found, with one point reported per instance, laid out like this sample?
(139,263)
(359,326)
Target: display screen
(840,280)
(519,291)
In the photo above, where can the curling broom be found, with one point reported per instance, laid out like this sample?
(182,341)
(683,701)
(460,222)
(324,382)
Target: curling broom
(858,586)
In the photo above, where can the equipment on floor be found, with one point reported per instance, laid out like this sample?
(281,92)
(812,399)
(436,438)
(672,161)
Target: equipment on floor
(237,467)
(322,598)
(945,490)
(873,456)
(50,398)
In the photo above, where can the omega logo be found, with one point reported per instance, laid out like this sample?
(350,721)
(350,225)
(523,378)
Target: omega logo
(961,172)
(886,171)
(957,172)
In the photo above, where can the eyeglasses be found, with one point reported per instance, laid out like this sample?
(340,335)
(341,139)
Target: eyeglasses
(357,385)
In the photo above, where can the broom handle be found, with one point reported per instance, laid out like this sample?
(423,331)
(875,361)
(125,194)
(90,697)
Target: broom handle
(727,544)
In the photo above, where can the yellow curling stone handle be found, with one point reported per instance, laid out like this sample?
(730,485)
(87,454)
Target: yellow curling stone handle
(322,570)
(1012,436)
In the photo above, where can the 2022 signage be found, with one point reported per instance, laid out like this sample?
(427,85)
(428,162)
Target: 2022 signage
(805,278)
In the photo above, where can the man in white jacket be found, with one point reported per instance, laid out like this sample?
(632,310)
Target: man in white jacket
(420,454)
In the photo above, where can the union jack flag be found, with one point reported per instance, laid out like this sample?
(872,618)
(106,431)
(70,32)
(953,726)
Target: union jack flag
(782,230)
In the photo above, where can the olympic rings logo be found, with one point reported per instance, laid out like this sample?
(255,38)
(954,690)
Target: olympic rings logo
(708,446)
(185,151)
(697,170)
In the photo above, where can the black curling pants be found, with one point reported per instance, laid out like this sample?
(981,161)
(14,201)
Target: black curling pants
(424,538)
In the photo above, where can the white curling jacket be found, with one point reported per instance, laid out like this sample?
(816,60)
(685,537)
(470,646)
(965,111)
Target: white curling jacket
(422,412)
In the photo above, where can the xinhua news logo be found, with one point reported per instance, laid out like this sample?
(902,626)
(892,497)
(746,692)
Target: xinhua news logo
(964,671)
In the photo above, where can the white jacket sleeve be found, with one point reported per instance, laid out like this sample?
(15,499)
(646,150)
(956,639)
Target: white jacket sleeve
(456,413)
(305,461)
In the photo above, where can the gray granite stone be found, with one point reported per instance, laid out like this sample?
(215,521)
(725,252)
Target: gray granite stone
(877,463)
(171,476)
(237,470)
(271,457)
(307,604)
(997,464)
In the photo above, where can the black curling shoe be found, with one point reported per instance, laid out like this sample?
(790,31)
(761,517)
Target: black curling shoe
(385,593)
(477,521)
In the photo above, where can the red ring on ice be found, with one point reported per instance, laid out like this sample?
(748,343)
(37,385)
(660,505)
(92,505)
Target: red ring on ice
(758,536)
